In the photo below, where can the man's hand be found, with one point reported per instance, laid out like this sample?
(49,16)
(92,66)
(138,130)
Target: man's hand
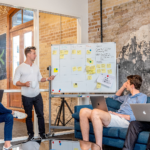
(125,85)
(51,78)
(27,84)
(127,117)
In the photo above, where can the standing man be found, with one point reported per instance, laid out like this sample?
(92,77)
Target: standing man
(28,76)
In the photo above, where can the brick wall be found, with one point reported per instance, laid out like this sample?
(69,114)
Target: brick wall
(125,22)
(54,30)
(3,29)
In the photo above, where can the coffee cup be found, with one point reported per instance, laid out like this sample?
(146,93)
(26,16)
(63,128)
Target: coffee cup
(33,84)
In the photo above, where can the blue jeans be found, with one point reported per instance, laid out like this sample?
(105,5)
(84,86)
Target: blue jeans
(8,119)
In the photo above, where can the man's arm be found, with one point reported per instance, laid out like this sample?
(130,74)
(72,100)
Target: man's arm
(47,79)
(119,92)
(27,84)
(127,117)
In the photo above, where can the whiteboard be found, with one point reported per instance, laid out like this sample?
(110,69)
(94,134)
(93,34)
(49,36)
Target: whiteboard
(69,63)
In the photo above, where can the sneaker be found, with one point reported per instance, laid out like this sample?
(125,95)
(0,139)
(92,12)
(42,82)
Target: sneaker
(43,136)
(7,148)
(30,138)
(19,115)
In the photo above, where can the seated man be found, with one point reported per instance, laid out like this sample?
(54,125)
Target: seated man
(7,116)
(121,118)
(133,131)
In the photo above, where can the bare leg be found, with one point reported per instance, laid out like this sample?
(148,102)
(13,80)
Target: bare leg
(85,145)
(7,144)
(85,116)
(99,119)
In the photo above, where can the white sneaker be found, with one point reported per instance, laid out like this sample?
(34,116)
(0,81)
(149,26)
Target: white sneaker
(7,148)
(19,115)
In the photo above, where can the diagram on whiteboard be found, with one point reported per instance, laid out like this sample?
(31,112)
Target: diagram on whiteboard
(78,66)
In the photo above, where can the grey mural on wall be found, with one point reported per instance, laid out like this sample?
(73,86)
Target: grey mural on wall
(135,58)
(3,56)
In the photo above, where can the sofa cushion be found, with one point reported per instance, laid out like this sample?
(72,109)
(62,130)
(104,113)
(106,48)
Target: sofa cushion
(142,138)
(148,99)
(108,132)
(111,103)
(76,115)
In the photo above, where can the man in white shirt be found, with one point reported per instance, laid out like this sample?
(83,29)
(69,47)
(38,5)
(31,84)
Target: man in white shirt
(28,76)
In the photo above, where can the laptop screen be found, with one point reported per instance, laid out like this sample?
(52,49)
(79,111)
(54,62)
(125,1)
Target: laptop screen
(1,95)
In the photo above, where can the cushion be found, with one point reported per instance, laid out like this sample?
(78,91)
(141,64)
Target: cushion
(108,132)
(113,103)
(148,99)
(142,138)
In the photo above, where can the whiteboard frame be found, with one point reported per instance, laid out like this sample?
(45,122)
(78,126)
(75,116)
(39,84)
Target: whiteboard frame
(86,95)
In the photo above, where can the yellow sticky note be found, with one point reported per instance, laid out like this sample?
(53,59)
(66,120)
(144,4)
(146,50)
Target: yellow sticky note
(54,52)
(98,70)
(78,52)
(98,66)
(89,77)
(103,70)
(61,56)
(62,52)
(88,52)
(108,65)
(103,65)
(98,86)
(55,70)
(66,52)
(79,68)
(76,149)
(88,60)
(110,71)
(74,68)
(75,85)
(92,61)
(73,51)
(87,68)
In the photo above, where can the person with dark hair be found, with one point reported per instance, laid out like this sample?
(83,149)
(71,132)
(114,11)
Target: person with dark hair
(121,118)
(28,76)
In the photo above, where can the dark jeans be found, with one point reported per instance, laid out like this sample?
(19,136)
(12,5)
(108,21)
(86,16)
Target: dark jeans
(8,119)
(28,104)
(134,129)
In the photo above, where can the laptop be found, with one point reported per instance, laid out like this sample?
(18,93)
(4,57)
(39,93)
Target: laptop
(1,95)
(99,102)
(141,111)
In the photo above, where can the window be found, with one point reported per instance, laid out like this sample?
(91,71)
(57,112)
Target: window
(22,16)
(17,19)
(27,15)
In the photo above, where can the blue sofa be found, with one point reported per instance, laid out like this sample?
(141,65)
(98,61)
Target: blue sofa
(114,137)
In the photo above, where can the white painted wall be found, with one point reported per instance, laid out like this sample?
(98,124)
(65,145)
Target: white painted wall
(76,8)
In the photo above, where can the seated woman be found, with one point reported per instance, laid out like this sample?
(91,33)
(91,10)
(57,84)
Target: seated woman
(7,116)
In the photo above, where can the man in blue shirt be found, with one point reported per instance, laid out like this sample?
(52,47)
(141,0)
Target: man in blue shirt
(121,118)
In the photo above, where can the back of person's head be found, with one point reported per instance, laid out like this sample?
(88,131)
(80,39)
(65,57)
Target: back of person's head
(136,80)
(28,50)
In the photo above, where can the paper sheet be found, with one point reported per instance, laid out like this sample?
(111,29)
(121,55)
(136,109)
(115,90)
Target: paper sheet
(106,79)
(73,51)
(103,66)
(78,52)
(103,70)
(110,71)
(108,65)
(79,68)
(61,56)
(74,68)
(98,66)
(55,70)
(98,70)
(75,85)
(88,52)
(89,77)
(54,52)
(98,86)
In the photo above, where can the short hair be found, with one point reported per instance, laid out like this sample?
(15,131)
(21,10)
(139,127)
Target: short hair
(136,80)
(28,49)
